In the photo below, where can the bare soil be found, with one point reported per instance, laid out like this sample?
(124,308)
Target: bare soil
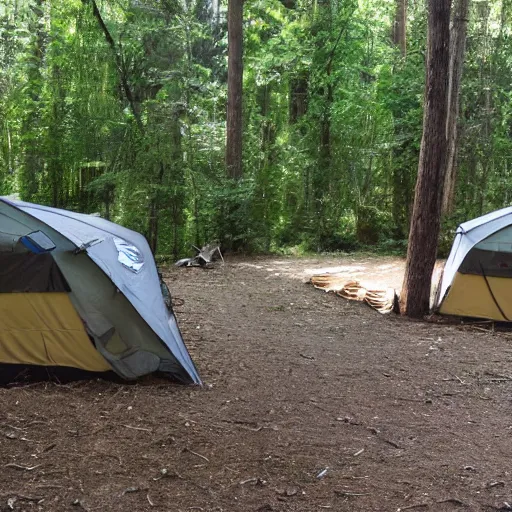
(309,403)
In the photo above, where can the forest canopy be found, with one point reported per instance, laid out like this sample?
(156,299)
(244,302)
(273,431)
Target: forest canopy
(119,108)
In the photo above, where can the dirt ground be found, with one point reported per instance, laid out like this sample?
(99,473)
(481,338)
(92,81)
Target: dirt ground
(309,403)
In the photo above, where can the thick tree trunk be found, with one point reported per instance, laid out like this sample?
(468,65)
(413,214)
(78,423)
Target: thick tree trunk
(400,26)
(235,75)
(425,222)
(457,51)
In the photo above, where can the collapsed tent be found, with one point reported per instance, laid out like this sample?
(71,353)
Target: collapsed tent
(477,277)
(81,292)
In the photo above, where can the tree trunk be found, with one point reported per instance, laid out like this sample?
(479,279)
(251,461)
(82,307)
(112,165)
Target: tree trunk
(425,221)
(235,75)
(457,51)
(400,174)
(33,163)
(400,26)
(298,96)
(154,210)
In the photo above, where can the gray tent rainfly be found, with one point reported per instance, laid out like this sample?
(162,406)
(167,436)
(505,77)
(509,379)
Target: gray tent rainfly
(476,281)
(111,281)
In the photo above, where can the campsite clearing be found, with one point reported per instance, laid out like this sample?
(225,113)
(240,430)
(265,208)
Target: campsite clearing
(310,403)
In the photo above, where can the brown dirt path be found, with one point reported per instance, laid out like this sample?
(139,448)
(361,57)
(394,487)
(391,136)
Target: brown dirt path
(405,415)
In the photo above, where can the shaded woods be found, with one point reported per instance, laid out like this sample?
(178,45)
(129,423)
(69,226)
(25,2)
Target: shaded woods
(119,108)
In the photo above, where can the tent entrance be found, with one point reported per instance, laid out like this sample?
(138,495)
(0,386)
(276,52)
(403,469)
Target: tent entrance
(40,325)
(29,272)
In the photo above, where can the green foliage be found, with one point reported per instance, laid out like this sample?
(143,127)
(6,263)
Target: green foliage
(332,120)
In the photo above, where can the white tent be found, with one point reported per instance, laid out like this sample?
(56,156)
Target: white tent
(477,274)
(114,288)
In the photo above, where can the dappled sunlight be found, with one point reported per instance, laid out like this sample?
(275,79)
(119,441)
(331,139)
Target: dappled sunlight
(377,271)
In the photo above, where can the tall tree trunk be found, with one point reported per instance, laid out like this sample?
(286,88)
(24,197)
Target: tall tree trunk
(298,96)
(154,210)
(33,164)
(457,51)
(55,138)
(400,175)
(425,221)
(235,76)
(400,26)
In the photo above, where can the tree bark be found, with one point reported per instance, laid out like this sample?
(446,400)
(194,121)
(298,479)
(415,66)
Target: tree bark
(457,51)
(235,76)
(154,211)
(400,26)
(33,164)
(298,96)
(425,221)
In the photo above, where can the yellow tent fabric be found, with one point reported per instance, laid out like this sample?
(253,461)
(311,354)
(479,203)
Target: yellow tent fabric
(45,329)
(469,296)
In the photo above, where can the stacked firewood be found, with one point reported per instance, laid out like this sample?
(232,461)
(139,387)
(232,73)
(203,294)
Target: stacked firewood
(383,300)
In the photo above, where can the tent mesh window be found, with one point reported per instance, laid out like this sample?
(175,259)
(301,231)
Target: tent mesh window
(30,273)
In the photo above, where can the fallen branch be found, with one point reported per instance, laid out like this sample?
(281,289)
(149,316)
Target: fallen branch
(24,468)
(409,507)
(350,493)
(249,481)
(137,428)
(196,454)
(459,379)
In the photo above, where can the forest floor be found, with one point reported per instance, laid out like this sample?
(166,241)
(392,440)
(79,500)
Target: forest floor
(395,414)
